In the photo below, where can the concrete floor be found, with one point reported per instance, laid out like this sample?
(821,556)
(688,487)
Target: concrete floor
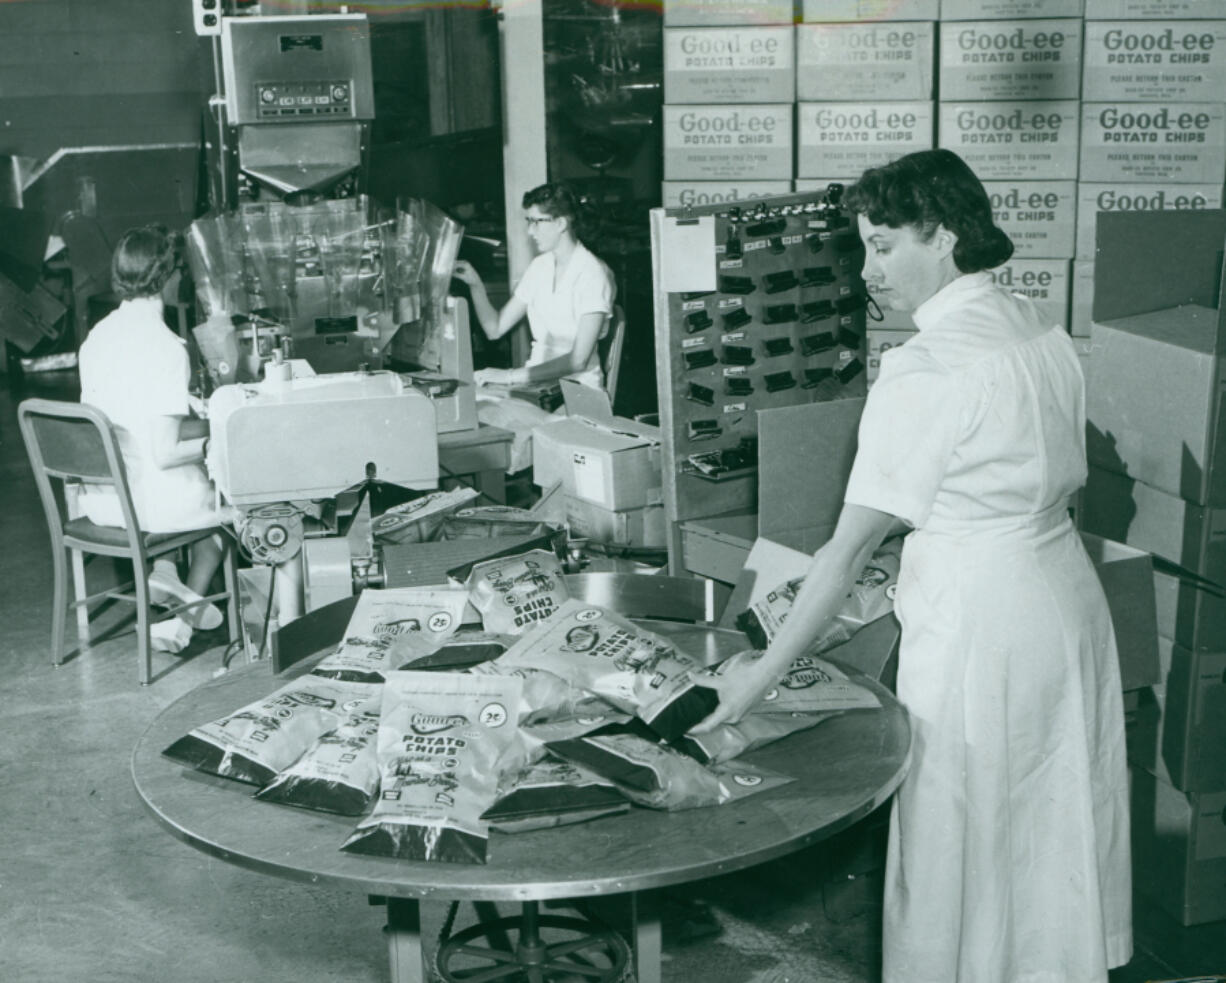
(92,888)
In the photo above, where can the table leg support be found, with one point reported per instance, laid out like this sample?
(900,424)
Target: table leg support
(404,949)
(648,938)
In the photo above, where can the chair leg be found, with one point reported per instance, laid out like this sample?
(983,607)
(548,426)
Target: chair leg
(58,604)
(80,592)
(230,566)
(144,651)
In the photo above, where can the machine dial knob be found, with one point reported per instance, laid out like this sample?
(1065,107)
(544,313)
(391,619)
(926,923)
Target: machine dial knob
(267,95)
(339,93)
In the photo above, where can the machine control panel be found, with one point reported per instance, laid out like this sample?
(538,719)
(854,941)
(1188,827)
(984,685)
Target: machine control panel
(281,100)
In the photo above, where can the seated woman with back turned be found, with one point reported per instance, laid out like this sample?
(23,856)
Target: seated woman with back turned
(136,371)
(567,294)
(1008,857)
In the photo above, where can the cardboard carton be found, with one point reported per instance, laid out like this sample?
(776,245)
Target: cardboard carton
(1045,281)
(689,194)
(881,340)
(1190,609)
(1127,576)
(1039,216)
(608,461)
(1093,200)
(1009,9)
(1010,59)
(1154,61)
(729,64)
(1136,425)
(716,13)
(831,11)
(1179,848)
(1166,143)
(848,137)
(1180,734)
(1172,528)
(840,62)
(728,142)
(1189,745)
(1154,9)
(639,527)
(1013,141)
(1081,300)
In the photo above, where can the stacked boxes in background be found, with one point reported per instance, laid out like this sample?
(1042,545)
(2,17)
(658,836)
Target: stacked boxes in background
(1010,81)
(864,91)
(1153,117)
(1156,443)
(729,84)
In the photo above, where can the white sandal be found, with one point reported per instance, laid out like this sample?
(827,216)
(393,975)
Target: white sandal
(172,635)
(165,588)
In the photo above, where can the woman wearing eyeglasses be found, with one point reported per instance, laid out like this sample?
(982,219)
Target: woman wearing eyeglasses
(567,294)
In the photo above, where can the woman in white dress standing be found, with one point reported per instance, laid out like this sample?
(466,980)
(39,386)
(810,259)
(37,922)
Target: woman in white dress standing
(136,371)
(567,294)
(1008,857)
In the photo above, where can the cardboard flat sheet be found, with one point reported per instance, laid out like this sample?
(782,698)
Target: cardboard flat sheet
(1134,276)
(805,455)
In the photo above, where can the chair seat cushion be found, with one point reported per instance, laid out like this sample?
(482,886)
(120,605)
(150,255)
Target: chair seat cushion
(116,536)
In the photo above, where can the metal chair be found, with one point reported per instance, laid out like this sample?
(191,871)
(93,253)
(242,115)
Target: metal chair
(72,442)
(610,347)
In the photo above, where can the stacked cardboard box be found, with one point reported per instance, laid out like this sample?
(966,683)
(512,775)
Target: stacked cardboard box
(607,470)
(1153,117)
(1156,443)
(729,88)
(848,51)
(840,132)
(1009,84)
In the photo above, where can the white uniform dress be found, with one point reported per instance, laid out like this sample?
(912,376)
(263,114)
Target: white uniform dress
(135,370)
(554,313)
(1008,855)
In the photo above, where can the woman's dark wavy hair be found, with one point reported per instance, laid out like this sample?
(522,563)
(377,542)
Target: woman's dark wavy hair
(559,200)
(143,262)
(931,188)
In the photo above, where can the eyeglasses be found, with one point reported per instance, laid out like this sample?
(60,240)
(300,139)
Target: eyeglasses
(534,221)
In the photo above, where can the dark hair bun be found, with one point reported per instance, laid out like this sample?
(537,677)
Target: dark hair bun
(985,248)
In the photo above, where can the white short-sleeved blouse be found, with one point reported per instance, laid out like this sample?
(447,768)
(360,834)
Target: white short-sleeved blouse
(135,370)
(585,287)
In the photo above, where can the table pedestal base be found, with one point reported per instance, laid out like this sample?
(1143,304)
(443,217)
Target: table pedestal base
(532,955)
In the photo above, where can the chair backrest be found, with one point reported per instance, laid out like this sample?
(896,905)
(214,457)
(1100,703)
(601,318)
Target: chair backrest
(73,442)
(610,347)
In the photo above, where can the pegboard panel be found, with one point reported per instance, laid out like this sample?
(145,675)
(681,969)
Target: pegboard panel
(784,324)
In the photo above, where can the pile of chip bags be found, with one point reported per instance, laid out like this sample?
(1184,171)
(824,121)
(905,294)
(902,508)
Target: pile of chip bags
(552,710)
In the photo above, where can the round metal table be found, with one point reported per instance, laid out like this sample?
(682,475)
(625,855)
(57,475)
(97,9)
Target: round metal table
(844,768)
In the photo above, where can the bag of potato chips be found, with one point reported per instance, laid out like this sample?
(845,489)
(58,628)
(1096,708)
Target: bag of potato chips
(445,740)
(383,616)
(339,773)
(261,739)
(514,593)
(635,670)
(550,793)
(871,597)
(660,777)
